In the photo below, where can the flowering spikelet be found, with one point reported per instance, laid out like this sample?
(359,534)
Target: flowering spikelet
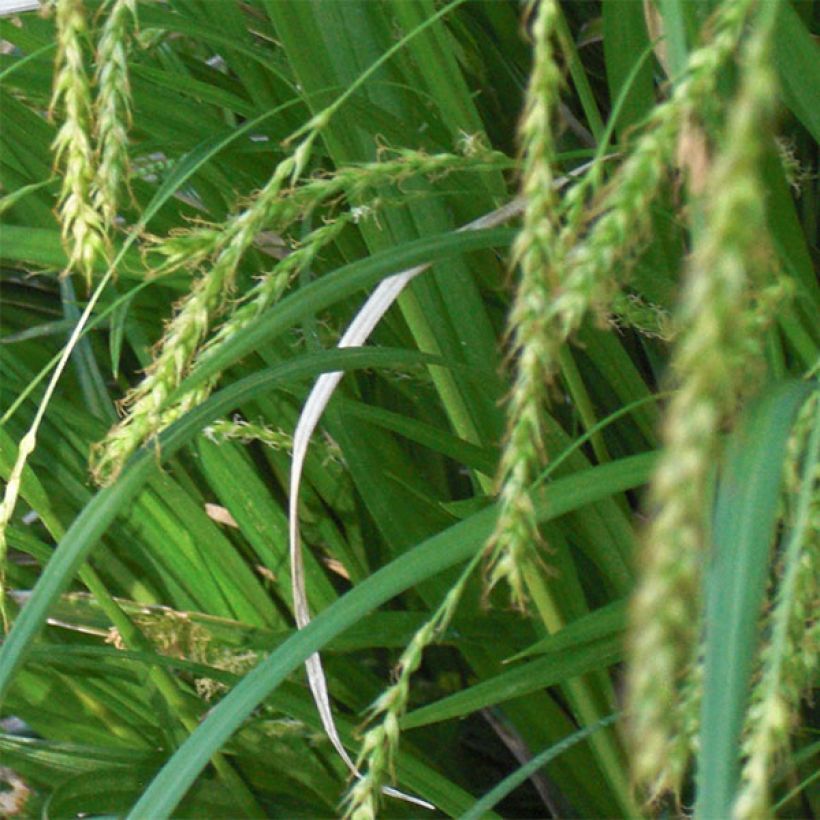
(380,743)
(516,533)
(709,366)
(267,291)
(113,108)
(351,182)
(549,310)
(598,263)
(237,429)
(275,207)
(789,660)
(183,336)
(82,228)
(270,287)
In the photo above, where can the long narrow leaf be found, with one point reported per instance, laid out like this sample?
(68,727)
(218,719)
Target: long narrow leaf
(744,527)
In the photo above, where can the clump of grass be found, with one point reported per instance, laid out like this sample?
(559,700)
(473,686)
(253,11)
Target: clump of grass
(176,634)
(407,476)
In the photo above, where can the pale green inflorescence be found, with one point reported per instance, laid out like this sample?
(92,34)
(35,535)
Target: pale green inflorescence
(353,183)
(267,291)
(718,345)
(564,279)
(380,743)
(536,253)
(113,108)
(185,333)
(599,262)
(82,227)
(275,208)
(237,429)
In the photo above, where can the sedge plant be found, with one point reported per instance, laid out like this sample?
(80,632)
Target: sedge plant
(492,323)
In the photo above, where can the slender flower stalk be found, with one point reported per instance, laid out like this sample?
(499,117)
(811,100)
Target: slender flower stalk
(716,350)
(82,228)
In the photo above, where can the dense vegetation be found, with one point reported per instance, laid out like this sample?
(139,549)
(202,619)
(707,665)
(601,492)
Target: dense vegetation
(558,521)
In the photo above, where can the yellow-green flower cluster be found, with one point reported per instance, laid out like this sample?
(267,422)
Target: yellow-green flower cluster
(81,223)
(275,208)
(113,109)
(536,253)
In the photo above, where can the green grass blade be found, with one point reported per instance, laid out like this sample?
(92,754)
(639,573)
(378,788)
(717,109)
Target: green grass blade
(557,667)
(601,623)
(98,514)
(450,547)
(625,38)
(744,526)
(513,781)
(91,380)
(797,58)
